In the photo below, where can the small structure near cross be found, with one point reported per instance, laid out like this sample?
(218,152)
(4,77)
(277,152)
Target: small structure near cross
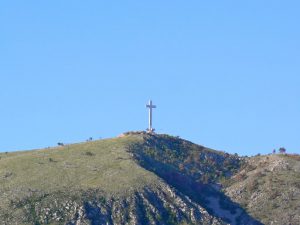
(150,106)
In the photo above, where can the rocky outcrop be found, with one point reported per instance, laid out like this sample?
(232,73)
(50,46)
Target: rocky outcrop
(155,205)
(268,188)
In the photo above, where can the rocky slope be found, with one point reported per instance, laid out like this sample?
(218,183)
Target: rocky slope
(268,187)
(137,178)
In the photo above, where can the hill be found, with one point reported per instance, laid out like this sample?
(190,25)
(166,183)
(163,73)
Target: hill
(137,178)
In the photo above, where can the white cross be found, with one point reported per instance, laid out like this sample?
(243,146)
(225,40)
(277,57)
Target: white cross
(150,106)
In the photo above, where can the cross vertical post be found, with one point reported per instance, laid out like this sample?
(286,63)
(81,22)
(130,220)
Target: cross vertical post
(150,106)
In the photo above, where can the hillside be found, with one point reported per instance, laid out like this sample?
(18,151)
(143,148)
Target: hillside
(268,187)
(136,178)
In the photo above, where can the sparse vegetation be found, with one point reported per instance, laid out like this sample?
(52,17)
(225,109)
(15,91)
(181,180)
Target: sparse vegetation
(269,186)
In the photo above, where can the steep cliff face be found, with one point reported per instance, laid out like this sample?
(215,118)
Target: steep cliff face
(137,178)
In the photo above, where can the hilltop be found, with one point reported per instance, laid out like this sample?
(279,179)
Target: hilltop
(141,178)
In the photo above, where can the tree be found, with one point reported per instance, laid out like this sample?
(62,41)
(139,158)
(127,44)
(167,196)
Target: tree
(282,150)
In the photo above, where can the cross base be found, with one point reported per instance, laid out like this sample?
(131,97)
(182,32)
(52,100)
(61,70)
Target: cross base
(150,130)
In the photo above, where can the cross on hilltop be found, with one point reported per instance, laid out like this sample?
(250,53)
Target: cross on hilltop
(150,106)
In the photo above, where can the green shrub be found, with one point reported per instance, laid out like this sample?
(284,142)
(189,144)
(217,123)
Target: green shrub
(51,160)
(88,153)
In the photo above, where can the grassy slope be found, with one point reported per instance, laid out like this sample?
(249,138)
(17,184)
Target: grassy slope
(88,165)
(101,164)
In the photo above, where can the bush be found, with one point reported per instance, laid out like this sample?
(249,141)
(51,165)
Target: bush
(89,153)
(282,150)
(51,160)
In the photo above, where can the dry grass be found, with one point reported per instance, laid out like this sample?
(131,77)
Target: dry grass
(101,164)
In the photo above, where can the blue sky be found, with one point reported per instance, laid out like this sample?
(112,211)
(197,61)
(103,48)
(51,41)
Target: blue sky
(225,74)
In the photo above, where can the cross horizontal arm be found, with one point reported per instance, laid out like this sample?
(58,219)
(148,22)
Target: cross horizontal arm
(151,106)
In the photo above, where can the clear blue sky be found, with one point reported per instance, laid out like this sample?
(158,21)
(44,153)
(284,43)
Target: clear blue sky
(225,74)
